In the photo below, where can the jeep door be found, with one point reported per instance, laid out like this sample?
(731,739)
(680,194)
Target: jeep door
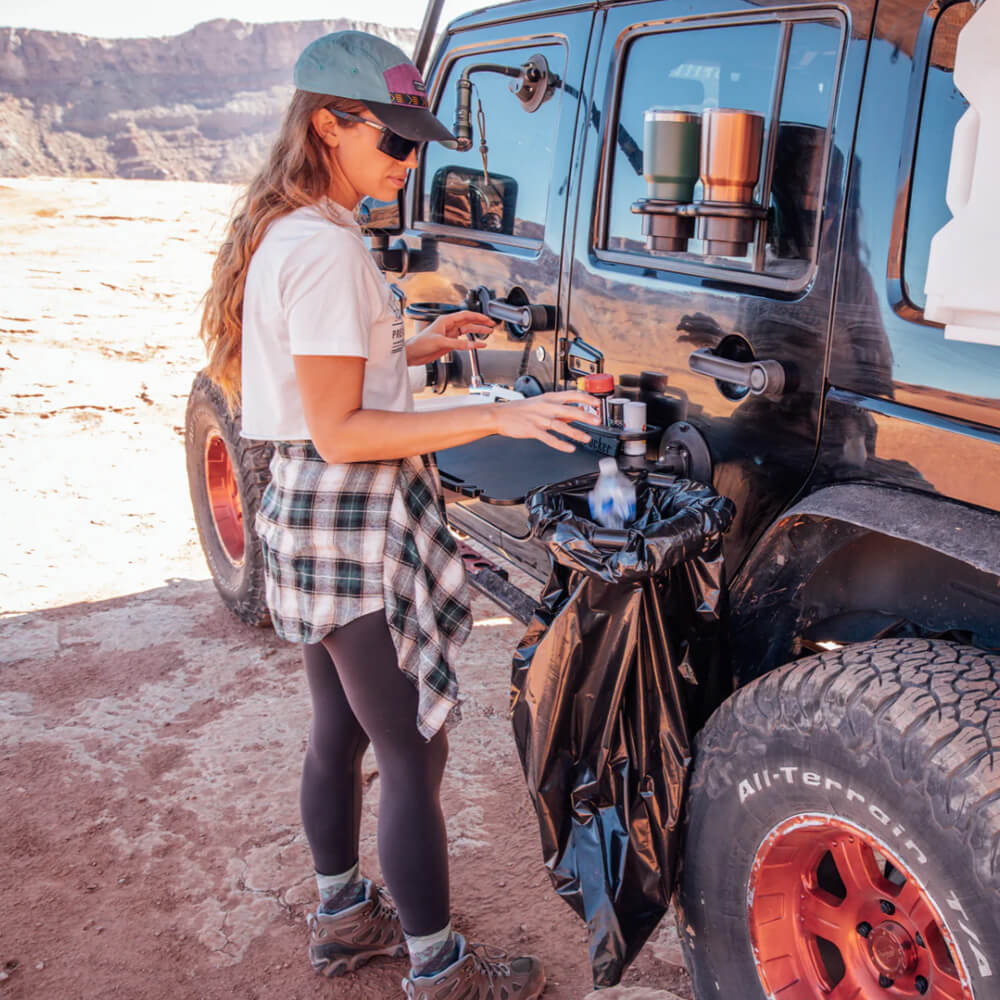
(499,223)
(767,299)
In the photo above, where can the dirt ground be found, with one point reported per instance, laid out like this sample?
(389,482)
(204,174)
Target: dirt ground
(150,742)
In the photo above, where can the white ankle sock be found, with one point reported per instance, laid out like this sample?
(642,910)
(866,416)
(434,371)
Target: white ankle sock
(432,952)
(346,886)
(332,884)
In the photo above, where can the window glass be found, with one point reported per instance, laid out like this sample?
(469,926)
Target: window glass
(683,71)
(943,106)
(729,68)
(797,186)
(511,195)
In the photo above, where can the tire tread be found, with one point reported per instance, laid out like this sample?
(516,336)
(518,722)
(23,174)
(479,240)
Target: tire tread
(253,459)
(930,709)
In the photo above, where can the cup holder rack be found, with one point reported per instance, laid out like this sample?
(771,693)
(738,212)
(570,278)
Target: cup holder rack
(726,228)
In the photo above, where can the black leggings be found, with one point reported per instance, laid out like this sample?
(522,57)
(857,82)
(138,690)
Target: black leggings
(360,695)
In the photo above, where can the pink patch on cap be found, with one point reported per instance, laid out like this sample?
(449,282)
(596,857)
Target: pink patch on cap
(404,79)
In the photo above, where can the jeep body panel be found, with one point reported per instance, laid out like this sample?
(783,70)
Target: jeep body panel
(877,396)
(853,561)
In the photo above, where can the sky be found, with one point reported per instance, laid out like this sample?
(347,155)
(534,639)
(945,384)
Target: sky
(115,19)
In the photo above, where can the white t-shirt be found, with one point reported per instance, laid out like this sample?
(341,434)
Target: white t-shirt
(313,288)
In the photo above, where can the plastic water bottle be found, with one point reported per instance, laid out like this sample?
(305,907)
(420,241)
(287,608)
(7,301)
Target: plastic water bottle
(612,500)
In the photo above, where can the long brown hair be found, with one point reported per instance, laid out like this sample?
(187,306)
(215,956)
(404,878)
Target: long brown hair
(298,172)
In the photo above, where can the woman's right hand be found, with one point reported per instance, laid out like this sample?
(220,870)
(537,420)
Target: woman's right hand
(539,416)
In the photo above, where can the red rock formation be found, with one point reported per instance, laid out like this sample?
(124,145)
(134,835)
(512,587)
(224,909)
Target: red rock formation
(202,105)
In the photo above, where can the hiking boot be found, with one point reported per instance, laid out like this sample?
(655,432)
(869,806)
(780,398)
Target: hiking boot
(341,942)
(480,973)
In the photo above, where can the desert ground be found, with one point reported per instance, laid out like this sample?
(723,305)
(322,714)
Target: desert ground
(149,741)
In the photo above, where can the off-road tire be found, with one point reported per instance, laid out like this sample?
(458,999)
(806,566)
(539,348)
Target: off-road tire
(898,737)
(240,581)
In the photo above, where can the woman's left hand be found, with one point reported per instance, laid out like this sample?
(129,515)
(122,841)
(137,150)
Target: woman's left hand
(448,333)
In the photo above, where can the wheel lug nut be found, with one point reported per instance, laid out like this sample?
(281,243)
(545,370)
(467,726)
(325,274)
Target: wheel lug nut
(864,928)
(887,907)
(885,982)
(921,985)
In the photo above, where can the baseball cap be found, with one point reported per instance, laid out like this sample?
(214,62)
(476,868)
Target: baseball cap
(369,69)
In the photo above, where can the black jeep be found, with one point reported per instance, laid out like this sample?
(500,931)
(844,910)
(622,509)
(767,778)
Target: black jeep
(843,827)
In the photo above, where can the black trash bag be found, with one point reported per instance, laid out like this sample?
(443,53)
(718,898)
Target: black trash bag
(621,664)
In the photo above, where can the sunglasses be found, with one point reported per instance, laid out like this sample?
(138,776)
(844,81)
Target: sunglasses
(391,144)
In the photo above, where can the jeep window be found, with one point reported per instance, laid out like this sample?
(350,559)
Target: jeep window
(510,197)
(784,74)
(943,105)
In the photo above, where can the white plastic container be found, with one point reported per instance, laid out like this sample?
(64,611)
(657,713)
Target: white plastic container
(962,287)
(635,420)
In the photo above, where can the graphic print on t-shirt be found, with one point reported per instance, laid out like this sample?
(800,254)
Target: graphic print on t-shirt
(397,325)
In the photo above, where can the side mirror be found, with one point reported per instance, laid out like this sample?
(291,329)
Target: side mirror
(465,198)
(380,218)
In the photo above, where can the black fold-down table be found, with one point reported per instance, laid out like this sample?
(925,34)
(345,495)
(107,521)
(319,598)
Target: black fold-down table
(503,471)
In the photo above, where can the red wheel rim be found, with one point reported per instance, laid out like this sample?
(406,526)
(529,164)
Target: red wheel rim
(833,913)
(224,498)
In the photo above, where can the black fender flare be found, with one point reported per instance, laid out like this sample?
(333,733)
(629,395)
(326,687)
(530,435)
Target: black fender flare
(854,548)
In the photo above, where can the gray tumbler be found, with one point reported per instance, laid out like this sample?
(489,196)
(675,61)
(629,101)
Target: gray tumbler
(670,164)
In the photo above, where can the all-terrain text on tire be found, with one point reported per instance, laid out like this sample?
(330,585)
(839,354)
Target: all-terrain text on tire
(227,475)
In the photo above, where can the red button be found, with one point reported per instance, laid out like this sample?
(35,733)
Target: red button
(599,385)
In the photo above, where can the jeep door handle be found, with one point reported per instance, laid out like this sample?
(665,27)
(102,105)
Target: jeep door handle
(520,313)
(527,317)
(762,378)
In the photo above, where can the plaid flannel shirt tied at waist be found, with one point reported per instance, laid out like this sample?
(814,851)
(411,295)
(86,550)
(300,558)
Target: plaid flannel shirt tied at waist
(341,541)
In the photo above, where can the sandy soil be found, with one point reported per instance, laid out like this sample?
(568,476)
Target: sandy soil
(150,742)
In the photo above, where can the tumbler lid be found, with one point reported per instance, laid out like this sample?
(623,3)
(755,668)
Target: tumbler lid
(670,115)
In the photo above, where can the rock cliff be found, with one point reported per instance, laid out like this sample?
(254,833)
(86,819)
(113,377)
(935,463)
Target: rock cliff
(202,105)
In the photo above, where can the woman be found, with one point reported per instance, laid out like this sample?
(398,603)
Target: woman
(303,330)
